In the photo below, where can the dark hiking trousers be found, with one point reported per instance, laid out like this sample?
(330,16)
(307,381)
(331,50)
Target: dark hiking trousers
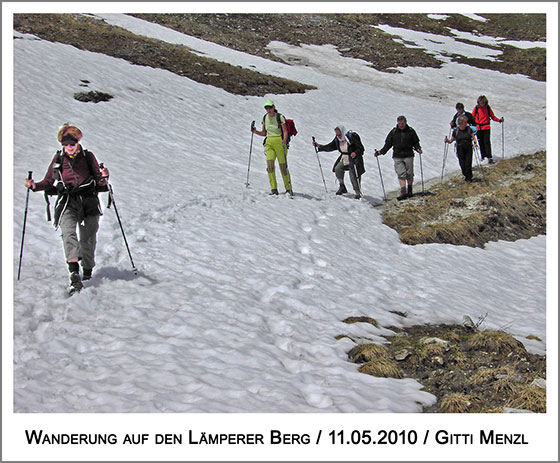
(483,137)
(464,154)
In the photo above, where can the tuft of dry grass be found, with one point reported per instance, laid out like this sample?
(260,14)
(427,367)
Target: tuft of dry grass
(496,341)
(362,319)
(528,398)
(368,352)
(381,367)
(455,403)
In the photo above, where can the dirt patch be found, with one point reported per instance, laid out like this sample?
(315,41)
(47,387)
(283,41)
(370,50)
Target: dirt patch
(92,96)
(510,205)
(469,371)
(355,37)
(530,62)
(251,33)
(94,35)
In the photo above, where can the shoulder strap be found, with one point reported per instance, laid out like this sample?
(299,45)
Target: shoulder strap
(89,159)
(279,120)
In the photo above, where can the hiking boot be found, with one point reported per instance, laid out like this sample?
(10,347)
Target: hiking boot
(403,195)
(409,191)
(490,161)
(87,274)
(358,196)
(274,191)
(341,190)
(75,282)
(290,192)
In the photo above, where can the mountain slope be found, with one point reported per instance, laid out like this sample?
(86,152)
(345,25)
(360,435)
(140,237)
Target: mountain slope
(240,295)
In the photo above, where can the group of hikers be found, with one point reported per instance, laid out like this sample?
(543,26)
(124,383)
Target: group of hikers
(403,139)
(75,176)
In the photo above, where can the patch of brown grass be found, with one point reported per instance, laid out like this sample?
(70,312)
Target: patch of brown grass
(529,398)
(511,206)
(382,368)
(362,319)
(496,342)
(251,33)
(94,35)
(481,372)
(455,403)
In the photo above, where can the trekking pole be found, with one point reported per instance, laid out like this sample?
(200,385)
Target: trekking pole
(320,167)
(421,172)
(381,177)
(503,150)
(112,201)
(445,150)
(358,180)
(479,163)
(250,151)
(24,222)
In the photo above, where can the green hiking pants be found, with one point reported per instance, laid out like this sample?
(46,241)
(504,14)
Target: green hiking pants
(275,150)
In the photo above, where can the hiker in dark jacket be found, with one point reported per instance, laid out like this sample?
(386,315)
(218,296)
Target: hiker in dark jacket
(75,176)
(351,158)
(403,139)
(460,107)
(464,137)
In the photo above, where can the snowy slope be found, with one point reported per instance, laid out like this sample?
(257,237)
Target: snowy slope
(240,295)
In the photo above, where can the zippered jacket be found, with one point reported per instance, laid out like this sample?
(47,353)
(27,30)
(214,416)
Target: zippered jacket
(402,141)
(482,116)
(80,181)
(355,146)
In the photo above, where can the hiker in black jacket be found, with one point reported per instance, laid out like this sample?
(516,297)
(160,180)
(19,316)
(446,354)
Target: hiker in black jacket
(460,107)
(404,141)
(351,158)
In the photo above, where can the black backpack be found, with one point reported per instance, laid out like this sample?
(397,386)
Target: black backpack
(60,188)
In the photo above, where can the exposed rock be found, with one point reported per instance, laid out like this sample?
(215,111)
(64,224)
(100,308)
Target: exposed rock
(441,342)
(539,382)
(516,410)
(402,355)
(92,96)
(468,323)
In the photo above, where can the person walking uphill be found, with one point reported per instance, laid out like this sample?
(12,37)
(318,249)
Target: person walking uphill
(403,139)
(482,113)
(351,158)
(460,107)
(74,175)
(276,146)
(464,137)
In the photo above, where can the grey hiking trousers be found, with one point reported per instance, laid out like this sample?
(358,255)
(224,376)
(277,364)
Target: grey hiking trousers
(84,247)
(339,172)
